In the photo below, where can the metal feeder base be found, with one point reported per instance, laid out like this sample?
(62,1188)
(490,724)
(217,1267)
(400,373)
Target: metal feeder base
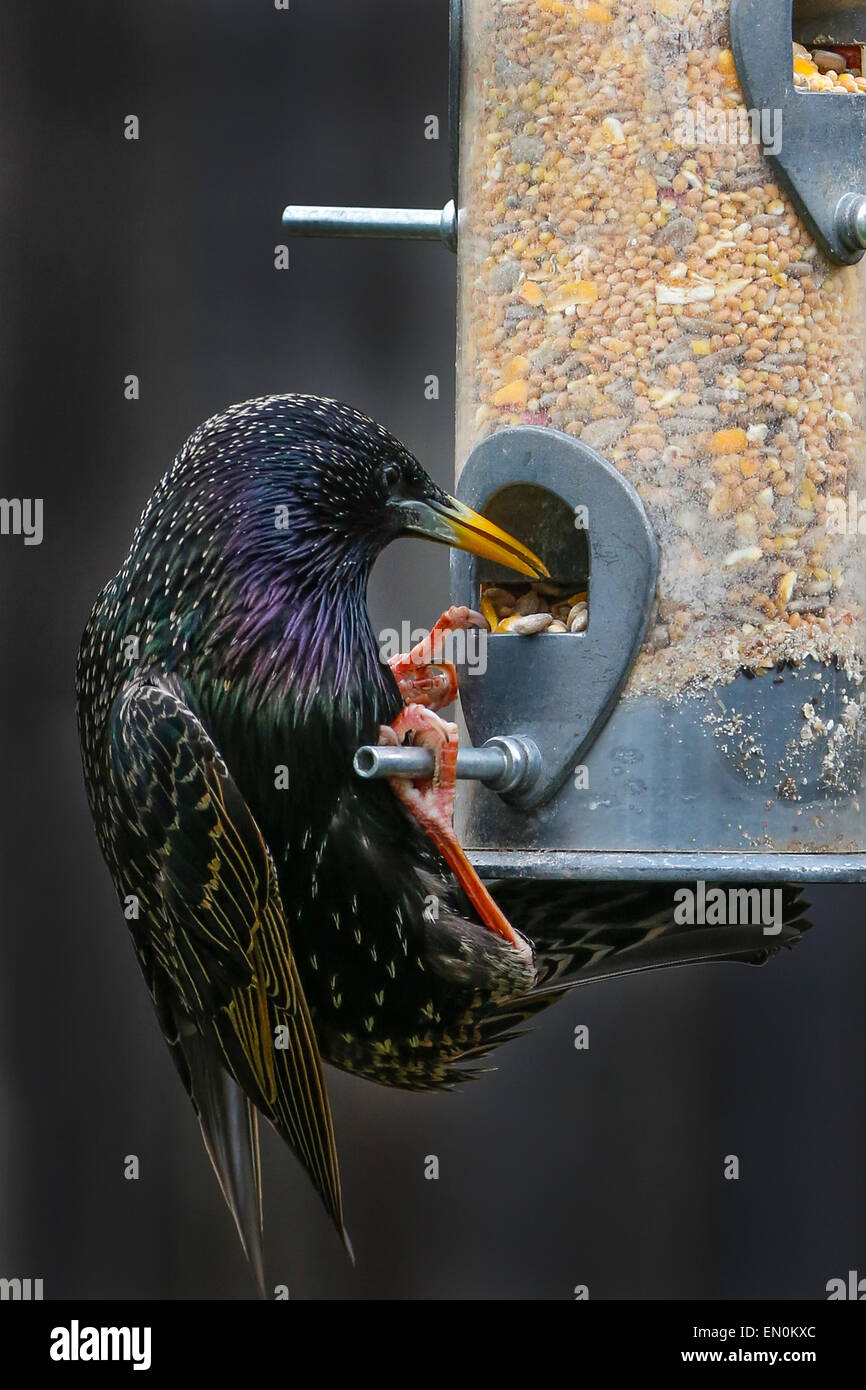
(720,786)
(632,867)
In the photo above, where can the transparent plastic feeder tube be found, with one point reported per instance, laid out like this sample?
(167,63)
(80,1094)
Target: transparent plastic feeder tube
(631,274)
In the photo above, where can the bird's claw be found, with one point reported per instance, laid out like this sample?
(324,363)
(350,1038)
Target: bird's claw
(423,676)
(430,801)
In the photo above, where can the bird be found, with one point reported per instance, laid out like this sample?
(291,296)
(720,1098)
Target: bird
(225,679)
(280,907)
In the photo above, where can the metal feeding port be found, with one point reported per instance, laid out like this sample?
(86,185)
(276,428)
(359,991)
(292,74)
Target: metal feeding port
(660,390)
(566,503)
(818,149)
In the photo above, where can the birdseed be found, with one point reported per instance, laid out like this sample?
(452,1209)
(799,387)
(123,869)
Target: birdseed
(657,296)
(505,610)
(832,69)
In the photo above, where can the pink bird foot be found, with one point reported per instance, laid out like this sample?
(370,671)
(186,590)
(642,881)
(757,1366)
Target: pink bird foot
(431,803)
(423,677)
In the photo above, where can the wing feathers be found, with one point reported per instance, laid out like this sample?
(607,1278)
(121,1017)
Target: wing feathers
(212,924)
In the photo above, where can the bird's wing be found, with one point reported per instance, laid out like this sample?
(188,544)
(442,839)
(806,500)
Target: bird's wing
(213,940)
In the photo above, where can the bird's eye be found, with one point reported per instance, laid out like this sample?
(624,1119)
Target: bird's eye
(393,476)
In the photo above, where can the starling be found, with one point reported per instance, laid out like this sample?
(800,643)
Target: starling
(279,907)
(284,912)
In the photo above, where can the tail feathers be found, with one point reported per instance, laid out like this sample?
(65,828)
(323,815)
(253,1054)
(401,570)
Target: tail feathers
(595,932)
(585,933)
(229,1126)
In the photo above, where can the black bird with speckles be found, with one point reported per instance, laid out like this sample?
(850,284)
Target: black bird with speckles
(279,907)
(226,678)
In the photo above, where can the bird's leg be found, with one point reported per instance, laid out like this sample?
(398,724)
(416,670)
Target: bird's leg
(431,803)
(428,683)
(422,675)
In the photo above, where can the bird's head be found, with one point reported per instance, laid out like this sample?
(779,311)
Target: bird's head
(307,487)
(272,514)
(351,488)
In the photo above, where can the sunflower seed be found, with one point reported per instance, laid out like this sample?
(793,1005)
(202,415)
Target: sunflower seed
(526,625)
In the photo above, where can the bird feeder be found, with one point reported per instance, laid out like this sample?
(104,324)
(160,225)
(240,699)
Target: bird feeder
(661,218)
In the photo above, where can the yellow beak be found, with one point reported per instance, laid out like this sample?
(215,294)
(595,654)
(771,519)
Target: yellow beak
(452,523)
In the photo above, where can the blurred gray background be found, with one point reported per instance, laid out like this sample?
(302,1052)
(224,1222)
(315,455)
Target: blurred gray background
(156,258)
